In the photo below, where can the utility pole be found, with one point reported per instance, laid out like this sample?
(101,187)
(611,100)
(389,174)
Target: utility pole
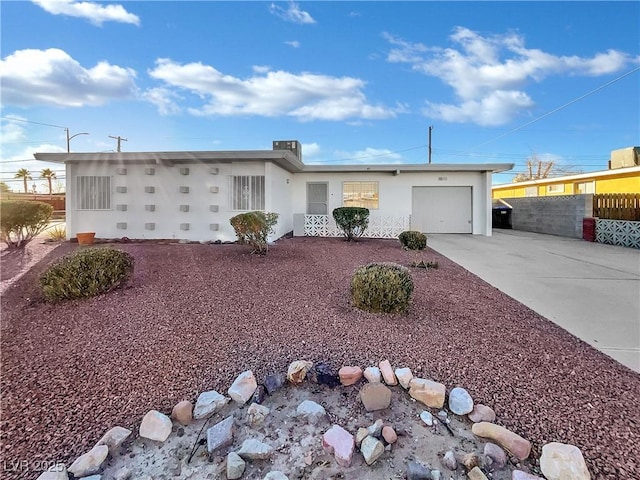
(119,138)
(430,130)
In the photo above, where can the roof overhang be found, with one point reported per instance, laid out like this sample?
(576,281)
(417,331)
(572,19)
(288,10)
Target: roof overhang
(415,167)
(283,158)
(570,178)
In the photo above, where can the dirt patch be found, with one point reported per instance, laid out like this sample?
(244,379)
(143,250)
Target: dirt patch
(197,315)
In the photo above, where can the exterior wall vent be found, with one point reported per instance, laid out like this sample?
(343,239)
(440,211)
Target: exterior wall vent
(214,208)
(184,189)
(214,189)
(150,226)
(150,171)
(184,226)
(150,189)
(121,171)
(121,225)
(214,226)
(150,208)
(214,170)
(121,208)
(184,208)
(184,171)
(121,189)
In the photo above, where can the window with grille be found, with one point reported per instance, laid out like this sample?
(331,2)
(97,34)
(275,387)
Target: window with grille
(246,192)
(360,194)
(93,193)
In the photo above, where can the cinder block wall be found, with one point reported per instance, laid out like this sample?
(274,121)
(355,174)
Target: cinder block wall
(558,215)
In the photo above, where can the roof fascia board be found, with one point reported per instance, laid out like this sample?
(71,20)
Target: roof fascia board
(569,178)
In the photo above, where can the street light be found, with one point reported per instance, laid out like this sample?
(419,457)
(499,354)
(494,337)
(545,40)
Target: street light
(72,136)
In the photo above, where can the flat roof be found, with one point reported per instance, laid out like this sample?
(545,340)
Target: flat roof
(283,158)
(569,178)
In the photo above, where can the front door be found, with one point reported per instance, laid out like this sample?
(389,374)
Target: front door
(317,194)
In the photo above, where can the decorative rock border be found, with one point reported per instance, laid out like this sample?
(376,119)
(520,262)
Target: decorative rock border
(557,462)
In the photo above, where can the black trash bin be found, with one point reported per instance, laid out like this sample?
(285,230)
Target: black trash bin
(501,217)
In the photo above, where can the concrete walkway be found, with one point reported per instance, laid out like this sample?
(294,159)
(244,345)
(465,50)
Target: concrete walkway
(589,289)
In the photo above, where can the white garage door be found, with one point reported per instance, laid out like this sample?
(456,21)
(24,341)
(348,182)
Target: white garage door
(441,209)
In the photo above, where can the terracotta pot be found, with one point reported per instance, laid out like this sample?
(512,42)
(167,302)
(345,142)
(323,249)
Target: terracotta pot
(86,238)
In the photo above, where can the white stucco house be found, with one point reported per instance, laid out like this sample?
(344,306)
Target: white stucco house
(192,195)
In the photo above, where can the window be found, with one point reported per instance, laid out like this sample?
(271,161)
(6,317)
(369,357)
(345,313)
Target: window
(585,187)
(360,194)
(557,188)
(246,192)
(93,193)
(531,191)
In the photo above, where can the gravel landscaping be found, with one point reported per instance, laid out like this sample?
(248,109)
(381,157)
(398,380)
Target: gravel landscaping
(196,316)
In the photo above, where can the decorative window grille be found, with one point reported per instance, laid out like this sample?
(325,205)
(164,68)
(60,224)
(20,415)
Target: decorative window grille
(360,194)
(93,193)
(246,192)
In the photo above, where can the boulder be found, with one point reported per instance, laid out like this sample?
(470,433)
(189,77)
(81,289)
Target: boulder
(561,461)
(387,373)
(242,388)
(404,376)
(155,426)
(375,396)
(208,403)
(297,371)
(253,449)
(338,441)
(512,442)
(114,438)
(311,411)
(235,466)
(372,374)
(371,449)
(482,413)
(220,435)
(183,412)
(349,375)
(460,402)
(428,392)
(89,463)
(256,414)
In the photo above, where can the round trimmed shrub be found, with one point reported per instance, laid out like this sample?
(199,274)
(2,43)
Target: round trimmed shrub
(86,273)
(413,240)
(382,287)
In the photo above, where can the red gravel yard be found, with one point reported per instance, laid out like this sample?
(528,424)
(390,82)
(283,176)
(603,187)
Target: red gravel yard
(198,315)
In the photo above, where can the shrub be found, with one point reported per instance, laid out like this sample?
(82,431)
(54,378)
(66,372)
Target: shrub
(22,220)
(413,240)
(382,287)
(353,221)
(86,273)
(57,233)
(254,228)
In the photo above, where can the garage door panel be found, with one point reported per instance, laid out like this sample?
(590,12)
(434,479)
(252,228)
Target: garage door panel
(441,209)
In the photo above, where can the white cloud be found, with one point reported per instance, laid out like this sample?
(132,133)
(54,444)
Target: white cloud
(310,150)
(293,43)
(52,77)
(261,68)
(370,155)
(164,99)
(305,96)
(13,131)
(94,12)
(291,14)
(488,74)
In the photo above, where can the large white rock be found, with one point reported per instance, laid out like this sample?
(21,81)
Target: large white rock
(561,461)
(255,450)
(404,376)
(235,466)
(155,426)
(460,402)
(372,374)
(208,403)
(371,449)
(311,411)
(243,386)
(89,463)
(114,438)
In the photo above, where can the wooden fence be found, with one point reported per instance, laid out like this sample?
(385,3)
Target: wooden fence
(617,206)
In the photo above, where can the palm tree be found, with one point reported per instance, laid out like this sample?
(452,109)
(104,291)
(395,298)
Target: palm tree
(49,175)
(25,175)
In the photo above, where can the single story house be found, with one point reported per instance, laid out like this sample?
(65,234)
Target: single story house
(192,195)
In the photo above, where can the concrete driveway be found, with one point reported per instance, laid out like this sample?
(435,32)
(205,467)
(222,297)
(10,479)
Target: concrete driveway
(589,289)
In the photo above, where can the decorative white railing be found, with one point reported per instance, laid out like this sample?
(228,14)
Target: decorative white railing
(618,232)
(379,227)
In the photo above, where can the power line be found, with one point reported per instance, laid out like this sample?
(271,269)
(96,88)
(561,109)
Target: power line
(29,121)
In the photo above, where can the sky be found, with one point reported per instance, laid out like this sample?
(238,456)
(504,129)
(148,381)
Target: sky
(354,82)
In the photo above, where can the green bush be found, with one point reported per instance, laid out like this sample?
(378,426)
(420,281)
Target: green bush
(382,287)
(353,221)
(86,273)
(254,228)
(21,221)
(413,240)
